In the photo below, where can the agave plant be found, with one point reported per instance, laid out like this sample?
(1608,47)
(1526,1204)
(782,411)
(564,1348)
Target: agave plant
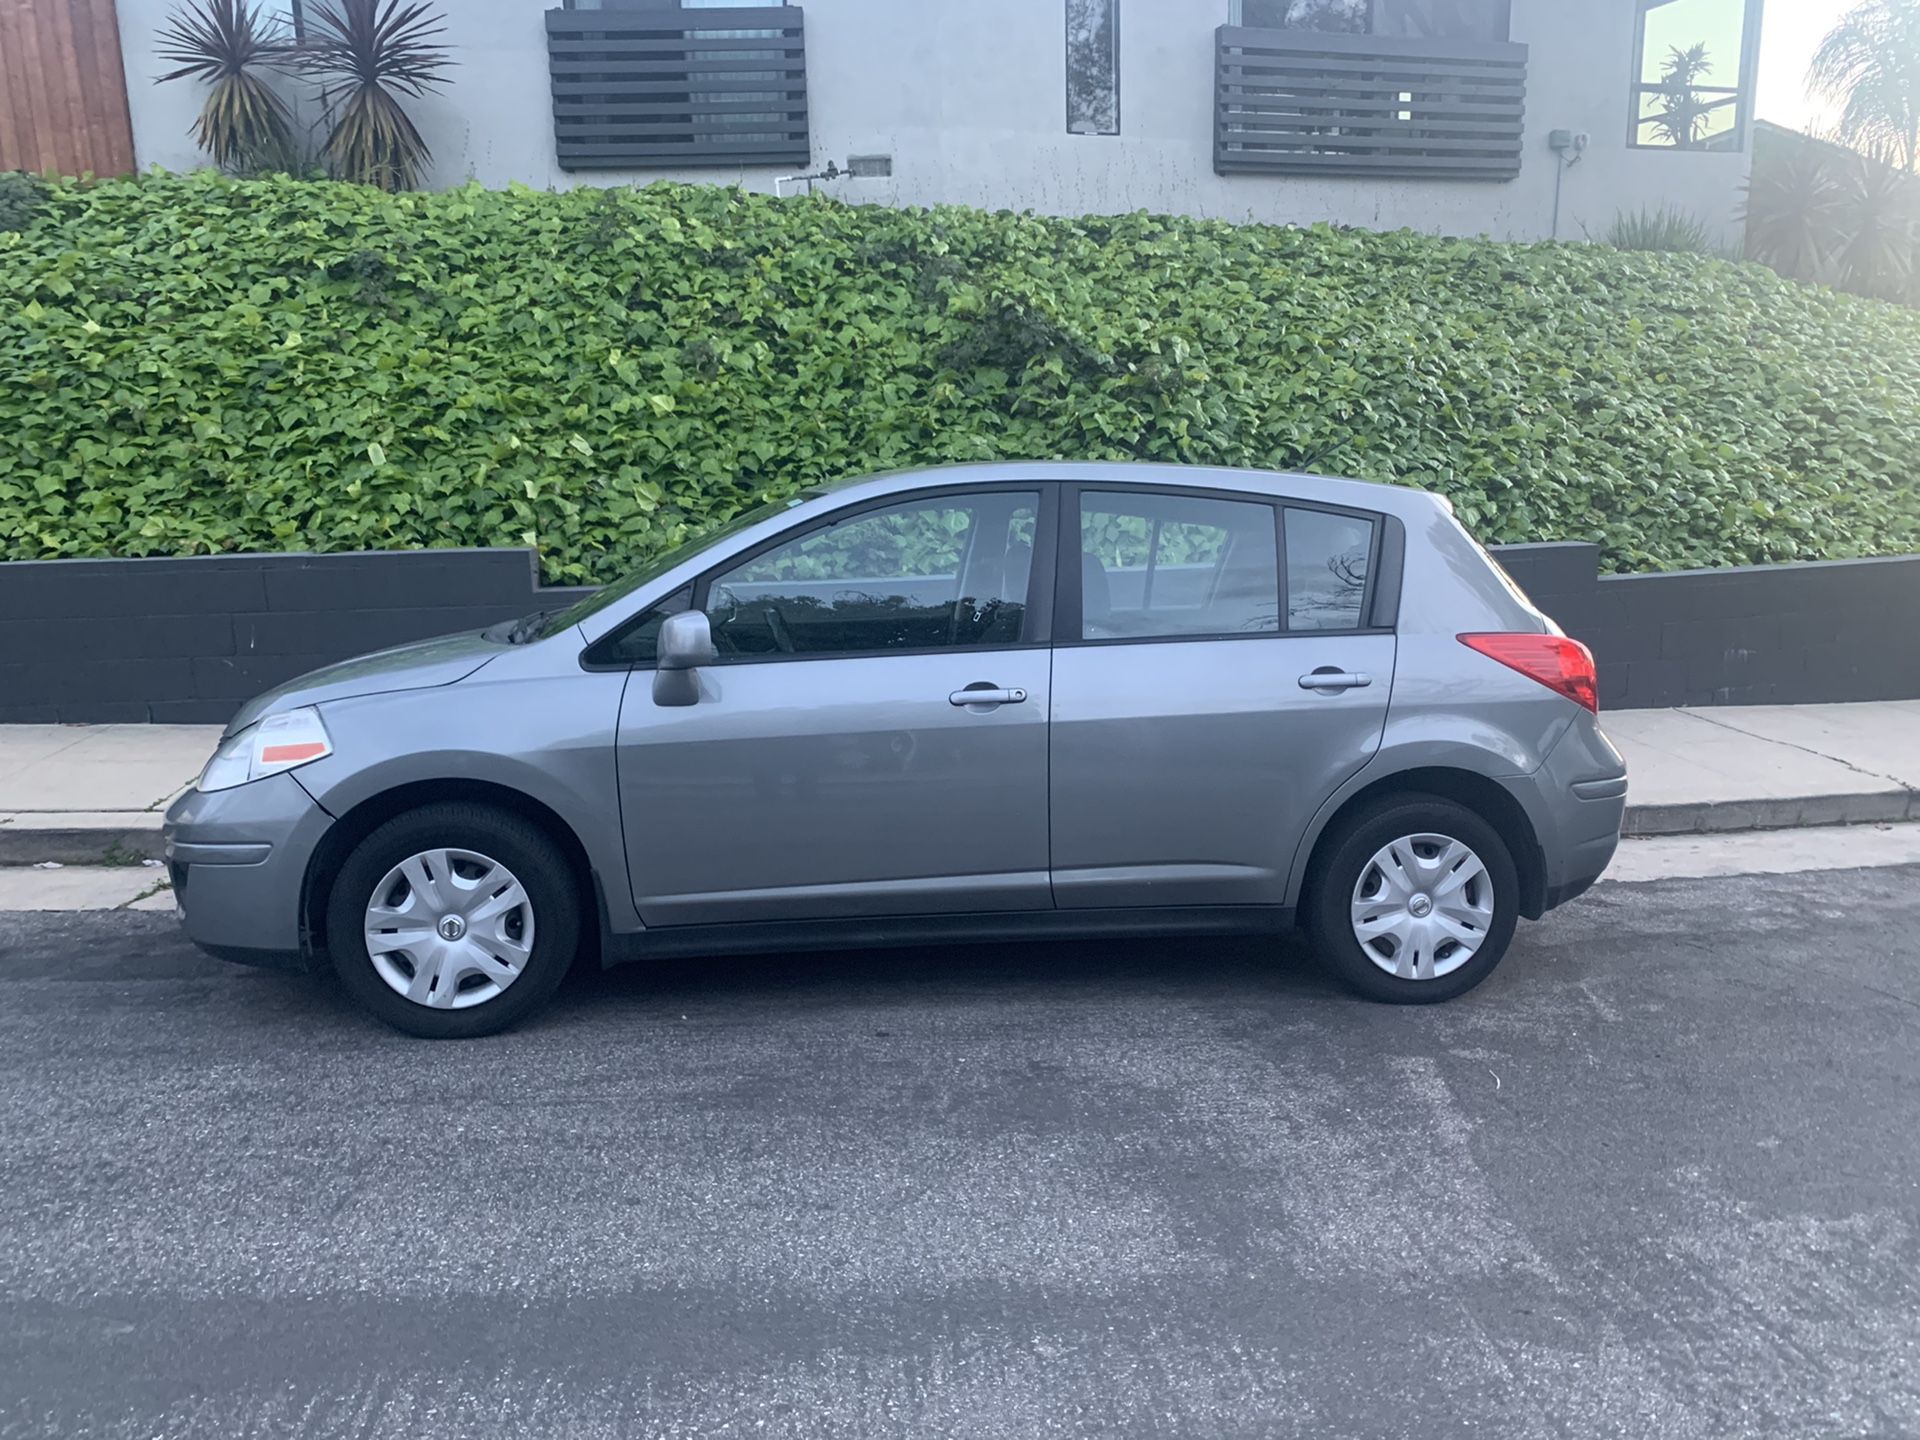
(364,54)
(230,46)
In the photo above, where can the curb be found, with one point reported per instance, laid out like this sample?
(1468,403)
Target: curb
(1719,817)
(82,839)
(123,837)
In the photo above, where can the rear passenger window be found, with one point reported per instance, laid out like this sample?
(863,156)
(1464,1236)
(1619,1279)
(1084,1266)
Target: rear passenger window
(1327,560)
(1176,565)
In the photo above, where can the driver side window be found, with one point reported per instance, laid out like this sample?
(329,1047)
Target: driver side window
(949,572)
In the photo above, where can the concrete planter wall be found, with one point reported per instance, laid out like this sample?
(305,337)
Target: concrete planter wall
(188,640)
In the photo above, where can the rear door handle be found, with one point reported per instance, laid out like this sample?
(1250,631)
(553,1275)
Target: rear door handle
(984,694)
(1335,680)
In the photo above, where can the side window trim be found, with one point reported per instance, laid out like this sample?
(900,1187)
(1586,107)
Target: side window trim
(1389,563)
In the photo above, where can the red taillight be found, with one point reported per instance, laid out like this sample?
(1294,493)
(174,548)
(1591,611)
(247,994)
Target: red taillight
(1560,664)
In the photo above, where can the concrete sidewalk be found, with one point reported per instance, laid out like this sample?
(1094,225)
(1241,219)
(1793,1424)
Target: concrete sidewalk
(1769,767)
(88,794)
(80,794)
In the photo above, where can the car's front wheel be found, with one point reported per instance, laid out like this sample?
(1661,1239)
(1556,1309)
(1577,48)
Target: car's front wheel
(1415,901)
(453,920)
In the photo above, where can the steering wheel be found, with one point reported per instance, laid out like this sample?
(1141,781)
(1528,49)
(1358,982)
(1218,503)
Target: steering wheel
(777,625)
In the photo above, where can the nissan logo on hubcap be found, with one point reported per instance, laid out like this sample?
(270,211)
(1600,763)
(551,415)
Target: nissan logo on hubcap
(1419,907)
(452,927)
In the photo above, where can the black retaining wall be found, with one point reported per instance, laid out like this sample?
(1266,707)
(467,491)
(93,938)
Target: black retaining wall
(1801,634)
(189,639)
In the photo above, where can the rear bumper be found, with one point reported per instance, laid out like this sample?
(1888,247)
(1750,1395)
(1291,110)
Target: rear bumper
(1577,802)
(238,859)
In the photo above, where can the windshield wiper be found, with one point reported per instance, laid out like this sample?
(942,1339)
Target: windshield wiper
(528,627)
(518,632)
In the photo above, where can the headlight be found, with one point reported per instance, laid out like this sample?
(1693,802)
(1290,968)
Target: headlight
(279,742)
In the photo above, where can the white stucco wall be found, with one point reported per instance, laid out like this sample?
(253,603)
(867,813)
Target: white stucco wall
(969,101)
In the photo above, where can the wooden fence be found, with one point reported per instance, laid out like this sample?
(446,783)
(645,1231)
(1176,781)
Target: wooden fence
(63,91)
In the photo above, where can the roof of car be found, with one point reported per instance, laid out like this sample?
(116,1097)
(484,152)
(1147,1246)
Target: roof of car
(1401,500)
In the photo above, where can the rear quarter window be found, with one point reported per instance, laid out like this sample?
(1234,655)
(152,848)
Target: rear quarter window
(1329,563)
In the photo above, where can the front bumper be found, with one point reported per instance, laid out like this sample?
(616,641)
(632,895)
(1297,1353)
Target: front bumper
(238,859)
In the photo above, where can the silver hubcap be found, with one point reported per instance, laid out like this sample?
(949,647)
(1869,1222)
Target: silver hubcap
(1422,907)
(449,928)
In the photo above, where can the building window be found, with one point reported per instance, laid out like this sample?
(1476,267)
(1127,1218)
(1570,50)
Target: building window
(663,4)
(1093,67)
(1692,63)
(1417,19)
(677,82)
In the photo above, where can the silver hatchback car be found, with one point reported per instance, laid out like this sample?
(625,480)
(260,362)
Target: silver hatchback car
(981,703)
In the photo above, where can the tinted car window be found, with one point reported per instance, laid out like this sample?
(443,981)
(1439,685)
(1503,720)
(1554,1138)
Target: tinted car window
(636,644)
(1168,565)
(1327,559)
(949,572)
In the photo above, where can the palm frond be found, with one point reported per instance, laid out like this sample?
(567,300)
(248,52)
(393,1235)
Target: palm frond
(1870,63)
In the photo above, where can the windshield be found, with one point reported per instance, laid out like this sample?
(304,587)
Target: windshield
(660,564)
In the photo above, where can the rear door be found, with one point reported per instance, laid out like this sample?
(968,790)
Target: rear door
(1190,746)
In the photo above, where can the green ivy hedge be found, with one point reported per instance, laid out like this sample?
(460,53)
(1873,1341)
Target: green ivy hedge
(190,364)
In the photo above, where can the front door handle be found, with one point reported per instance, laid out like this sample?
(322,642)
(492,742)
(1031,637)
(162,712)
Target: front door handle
(982,693)
(1330,680)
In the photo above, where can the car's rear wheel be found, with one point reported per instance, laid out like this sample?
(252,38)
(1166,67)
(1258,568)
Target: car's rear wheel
(453,921)
(1415,900)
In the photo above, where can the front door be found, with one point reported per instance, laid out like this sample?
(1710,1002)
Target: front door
(835,765)
(1188,757)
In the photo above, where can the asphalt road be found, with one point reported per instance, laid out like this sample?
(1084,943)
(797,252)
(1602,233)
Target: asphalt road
(1660,1176)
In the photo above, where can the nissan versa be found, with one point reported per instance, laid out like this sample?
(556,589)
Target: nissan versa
(988,702)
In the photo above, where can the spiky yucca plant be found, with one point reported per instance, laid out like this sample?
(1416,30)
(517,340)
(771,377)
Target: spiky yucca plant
(1817,211)
(231,46)
(364,54)
(1795,209)
(1881,219)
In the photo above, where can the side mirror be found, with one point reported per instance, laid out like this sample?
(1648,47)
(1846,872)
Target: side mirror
(685,644)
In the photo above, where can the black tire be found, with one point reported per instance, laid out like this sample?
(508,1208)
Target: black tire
(1344,858)
(524,849)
